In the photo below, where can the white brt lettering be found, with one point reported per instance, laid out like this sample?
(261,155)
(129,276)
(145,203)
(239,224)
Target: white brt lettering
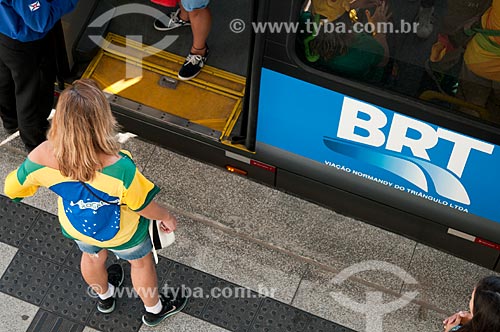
(397,137)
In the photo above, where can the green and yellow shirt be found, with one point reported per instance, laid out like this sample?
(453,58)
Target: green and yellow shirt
(103,212)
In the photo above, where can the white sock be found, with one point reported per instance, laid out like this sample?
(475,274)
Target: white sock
(155,309)
(109,293)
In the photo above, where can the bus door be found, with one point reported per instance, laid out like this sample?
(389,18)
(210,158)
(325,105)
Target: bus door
(137,66)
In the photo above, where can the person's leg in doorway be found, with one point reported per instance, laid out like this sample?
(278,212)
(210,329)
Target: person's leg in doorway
(194,13)
(201,22)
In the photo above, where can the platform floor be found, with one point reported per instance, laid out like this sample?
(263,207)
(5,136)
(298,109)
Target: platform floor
(43,275)
(232,232)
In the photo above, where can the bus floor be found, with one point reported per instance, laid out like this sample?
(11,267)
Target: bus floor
(232,233)
(229,51)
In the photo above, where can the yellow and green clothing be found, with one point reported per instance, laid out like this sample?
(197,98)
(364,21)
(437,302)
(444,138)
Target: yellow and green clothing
(482,55)
(361,61)
(103,212)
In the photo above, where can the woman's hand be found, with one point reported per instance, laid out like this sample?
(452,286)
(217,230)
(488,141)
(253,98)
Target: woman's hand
(381,14)
(169,225)
(155,211)
(460,318)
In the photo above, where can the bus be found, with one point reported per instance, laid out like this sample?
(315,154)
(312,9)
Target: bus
(407,152)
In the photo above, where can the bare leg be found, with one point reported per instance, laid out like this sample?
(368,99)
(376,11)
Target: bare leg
(94,271)
(183,14)
(144,279)
(201,22)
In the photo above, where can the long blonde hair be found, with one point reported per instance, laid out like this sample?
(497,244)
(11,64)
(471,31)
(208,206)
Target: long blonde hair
(83,127)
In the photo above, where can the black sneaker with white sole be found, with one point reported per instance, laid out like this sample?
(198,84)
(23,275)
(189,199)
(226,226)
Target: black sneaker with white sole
(115,278)
(171,305)
(193,65)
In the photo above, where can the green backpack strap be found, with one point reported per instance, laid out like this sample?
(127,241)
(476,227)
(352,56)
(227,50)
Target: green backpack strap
(481,36)
(476,28)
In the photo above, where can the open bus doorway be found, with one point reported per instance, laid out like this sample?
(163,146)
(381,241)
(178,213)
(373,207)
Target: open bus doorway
(144,79)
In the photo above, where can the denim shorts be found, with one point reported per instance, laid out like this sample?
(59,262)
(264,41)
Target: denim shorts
(190,5)
(139,251)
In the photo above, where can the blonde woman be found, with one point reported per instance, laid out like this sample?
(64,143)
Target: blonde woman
(104,203)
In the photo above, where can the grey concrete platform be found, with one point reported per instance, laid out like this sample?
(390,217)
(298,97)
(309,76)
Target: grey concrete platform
(265,240)
(42,283)
(250,210)
(42,273)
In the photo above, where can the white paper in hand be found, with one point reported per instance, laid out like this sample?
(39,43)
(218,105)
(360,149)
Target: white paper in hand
(159,238)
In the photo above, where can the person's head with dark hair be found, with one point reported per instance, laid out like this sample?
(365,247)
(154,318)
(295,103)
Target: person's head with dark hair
(485,306)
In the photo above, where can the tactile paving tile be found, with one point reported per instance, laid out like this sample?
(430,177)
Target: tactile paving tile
(68,297)
(46,240)
(28,277)
(232,313)
(74,258)
(192,280)
(37,275)
(321,325)
(164,265)
(15,220)
(129,308)
(48,322)
(274,316)
(126,317)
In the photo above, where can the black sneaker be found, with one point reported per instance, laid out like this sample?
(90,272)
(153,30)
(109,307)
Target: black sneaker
(171,306)
(115,278)
(172,21)
(193,65)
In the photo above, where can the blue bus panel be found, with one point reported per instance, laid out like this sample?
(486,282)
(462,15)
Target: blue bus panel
(365,140)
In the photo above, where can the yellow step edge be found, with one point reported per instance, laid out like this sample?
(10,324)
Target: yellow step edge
(211,71)
(171,73)
(167,55)
(109,51)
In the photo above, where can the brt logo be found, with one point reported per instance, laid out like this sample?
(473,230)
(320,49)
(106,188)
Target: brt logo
(414,150)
